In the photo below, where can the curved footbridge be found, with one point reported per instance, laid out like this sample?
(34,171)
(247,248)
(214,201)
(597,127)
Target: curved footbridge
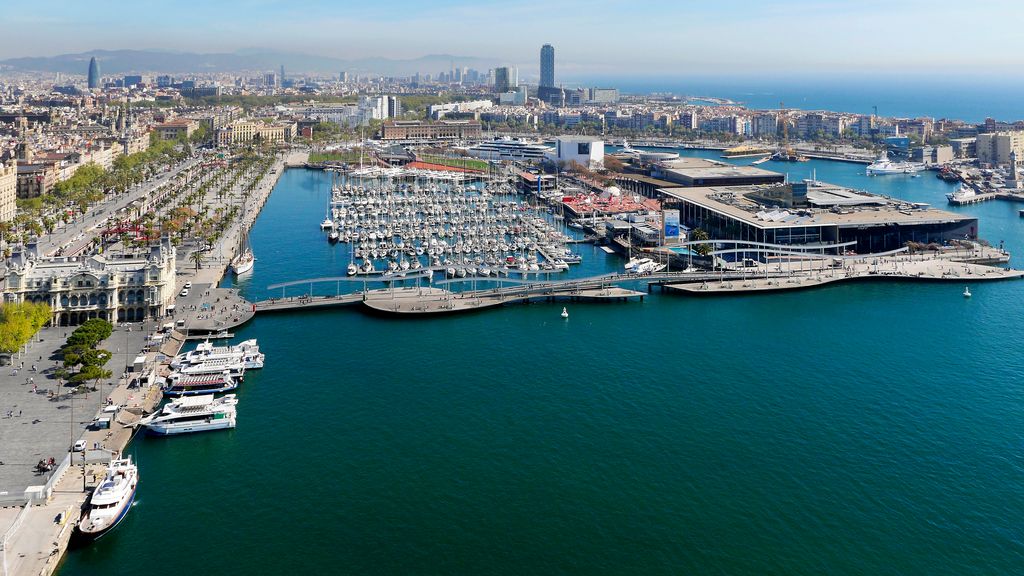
(423,297)
(436,299)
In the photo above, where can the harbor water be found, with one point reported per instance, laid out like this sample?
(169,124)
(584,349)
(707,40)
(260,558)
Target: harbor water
(871,428)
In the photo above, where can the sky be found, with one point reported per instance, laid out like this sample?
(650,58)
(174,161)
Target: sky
(592,37)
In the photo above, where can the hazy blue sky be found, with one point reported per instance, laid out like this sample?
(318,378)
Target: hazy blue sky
(591,36)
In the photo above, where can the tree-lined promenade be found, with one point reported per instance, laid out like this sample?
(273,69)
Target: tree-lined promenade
(90,184)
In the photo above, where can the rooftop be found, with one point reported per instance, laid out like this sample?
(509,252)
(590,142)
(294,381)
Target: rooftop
(702,168)
(732,201)
(579,139)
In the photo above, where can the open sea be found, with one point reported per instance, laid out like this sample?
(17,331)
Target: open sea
(871,428)
(939,95)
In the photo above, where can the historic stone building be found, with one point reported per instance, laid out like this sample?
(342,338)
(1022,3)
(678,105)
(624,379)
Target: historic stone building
(115,288)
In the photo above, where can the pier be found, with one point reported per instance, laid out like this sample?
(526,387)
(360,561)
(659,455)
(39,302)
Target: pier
(933,270)
(810,271)
(435,300)
(986,196)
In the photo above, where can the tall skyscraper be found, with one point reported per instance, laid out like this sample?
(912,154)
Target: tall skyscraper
(282,74)
(394,107)
(546,91)
(547,66)
(501,80)
(94,73)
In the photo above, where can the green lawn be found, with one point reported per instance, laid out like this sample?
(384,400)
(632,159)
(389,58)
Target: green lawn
(345,156)
(469,163)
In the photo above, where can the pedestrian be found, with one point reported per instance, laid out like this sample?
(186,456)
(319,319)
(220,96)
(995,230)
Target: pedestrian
(19,413)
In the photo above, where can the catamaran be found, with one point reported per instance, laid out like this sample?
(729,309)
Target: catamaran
(110,501)
(193,414)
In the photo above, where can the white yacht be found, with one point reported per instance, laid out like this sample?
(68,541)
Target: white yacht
(510,149)
(110,501)
(247,352)
(193,414)
(635,263)
(960,194)
(885,166)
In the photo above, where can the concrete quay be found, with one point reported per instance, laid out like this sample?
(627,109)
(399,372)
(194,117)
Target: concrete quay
(36,524)
(936,270)
(208,308)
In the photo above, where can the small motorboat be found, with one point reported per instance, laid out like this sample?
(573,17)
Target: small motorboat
(967,291)
(565,313)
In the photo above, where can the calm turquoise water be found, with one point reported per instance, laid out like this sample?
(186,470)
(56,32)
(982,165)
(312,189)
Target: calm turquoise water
(861,429)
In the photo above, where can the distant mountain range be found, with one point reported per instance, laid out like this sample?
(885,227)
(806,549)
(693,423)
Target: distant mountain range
(113,62)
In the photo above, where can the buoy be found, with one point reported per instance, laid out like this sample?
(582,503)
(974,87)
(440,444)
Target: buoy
(565,313)
(967,291)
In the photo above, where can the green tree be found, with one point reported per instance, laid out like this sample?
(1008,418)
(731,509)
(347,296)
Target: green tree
(699,234)
(19,322)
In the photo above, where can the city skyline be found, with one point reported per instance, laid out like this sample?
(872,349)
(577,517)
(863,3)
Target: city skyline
(787,36)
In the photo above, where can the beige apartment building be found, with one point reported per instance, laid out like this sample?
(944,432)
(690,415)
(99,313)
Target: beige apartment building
(994,148)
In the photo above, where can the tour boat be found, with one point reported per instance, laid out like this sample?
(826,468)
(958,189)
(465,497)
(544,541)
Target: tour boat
(110,501)
(247,352)
(233,367)
(193,414)
(180,385)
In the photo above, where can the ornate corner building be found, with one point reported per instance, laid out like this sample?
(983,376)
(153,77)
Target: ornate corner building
(129,288)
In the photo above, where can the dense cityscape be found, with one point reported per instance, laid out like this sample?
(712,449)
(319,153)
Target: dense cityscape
(172,240)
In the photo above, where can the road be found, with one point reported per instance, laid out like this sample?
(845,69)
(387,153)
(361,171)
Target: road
(76,235)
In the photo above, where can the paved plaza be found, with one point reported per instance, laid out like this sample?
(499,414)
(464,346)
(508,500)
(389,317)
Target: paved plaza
(46,419)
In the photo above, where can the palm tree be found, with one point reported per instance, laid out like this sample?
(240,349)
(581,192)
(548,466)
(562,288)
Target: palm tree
(197,256)
(698,235)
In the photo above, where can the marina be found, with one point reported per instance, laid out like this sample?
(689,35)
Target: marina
(440,414)
(397,228)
